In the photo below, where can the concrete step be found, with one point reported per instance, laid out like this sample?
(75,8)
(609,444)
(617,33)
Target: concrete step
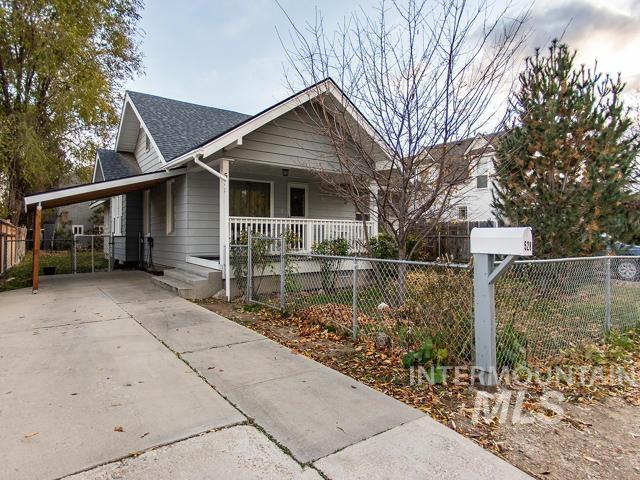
(185,276)
(201,282)
(201,271)
(180,288)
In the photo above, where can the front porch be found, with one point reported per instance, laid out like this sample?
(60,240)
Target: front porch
(272,201)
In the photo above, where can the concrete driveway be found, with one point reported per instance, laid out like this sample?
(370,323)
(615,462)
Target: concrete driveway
(95,368)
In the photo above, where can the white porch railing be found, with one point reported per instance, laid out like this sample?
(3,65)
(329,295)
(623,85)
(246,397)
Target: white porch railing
(306,230)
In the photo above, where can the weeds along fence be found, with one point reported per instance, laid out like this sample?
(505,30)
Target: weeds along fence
(542,306)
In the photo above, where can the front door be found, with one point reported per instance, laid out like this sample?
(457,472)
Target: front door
(297,200)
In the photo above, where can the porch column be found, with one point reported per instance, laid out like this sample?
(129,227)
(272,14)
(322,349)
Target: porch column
(224,216)
(37,222)
(374,210)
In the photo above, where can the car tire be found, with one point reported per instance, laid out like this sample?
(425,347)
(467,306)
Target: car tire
(628,269)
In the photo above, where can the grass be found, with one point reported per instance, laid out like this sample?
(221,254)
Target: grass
(19,276)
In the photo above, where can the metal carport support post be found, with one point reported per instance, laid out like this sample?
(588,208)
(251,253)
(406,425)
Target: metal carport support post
(486,243)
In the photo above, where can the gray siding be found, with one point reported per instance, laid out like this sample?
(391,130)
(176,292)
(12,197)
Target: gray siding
(288,141)
(203,205)
(99,172)
(169,250)
(149,160)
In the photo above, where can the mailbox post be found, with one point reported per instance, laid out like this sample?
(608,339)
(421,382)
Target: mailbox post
(486,243)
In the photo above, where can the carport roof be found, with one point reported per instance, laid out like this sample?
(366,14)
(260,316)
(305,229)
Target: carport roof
(98,190)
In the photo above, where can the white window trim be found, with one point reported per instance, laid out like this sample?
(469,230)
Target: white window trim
(482,188)
(116,215)
(170,208)
(146,212)
(80,229)
(271,190)
(304,186)
(482,170)
(466,212)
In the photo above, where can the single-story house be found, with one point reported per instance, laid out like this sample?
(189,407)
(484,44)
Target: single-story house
(192,178)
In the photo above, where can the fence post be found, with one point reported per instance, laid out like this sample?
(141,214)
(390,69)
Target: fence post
(354,308)
(484,318)
(607,305)
(5,256)
(74,259)
(249,266)
(92,257)
(111,248)
(282,271)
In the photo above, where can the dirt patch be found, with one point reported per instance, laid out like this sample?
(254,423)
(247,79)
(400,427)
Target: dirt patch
(607,445)
(598,437)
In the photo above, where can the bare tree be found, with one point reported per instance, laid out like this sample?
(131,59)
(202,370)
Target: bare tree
(424,73)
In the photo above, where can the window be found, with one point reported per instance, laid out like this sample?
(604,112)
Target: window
(77,229)
(249,199)
(171,215)
(297,200)
(98,229)
(147,143)
(462,213)
(366,217)
(146,212)
(116,215)
(482,178)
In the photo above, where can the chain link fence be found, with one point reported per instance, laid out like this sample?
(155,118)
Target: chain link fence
(77,254)
(542,306)
(546,306)
(403,302)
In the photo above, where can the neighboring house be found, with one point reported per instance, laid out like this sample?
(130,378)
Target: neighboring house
(472,201)
(62,223)
(193,178)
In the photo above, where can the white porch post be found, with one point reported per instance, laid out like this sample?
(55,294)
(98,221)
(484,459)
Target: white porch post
(374,210)
(224,225)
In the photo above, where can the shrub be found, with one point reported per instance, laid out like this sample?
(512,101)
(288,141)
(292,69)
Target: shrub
(330,267)
(440,300)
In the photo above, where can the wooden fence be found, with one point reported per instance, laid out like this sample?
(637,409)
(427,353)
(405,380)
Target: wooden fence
(450,241)
(13,241)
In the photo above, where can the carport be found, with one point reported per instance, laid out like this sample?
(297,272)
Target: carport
(84,193)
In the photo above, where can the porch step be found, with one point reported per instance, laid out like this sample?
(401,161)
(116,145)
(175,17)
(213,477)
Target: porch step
(178,287)
(191,282)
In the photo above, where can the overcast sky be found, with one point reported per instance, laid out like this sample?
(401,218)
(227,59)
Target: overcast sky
(226,53)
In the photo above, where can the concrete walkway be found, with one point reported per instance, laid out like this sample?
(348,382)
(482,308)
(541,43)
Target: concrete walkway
(92,353)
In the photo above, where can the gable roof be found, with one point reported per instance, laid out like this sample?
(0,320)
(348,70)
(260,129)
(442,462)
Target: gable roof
(251,123)
(178,127)
(117,164)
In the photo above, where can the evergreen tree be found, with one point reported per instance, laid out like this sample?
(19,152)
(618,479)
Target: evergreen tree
(566,165)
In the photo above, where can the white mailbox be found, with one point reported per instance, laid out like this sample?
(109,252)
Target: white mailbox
(502,241)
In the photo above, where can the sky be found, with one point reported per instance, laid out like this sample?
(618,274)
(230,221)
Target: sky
(227,54)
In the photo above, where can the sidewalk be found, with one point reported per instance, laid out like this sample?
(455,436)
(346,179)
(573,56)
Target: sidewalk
(342,427)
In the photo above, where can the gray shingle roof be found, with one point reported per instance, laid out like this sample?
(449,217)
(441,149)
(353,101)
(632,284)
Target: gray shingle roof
(118,164)
(178,127)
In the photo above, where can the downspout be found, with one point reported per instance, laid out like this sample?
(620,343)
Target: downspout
(200,163)
(225,179)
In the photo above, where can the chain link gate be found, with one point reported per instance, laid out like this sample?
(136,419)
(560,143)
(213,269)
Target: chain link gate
(266,268)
